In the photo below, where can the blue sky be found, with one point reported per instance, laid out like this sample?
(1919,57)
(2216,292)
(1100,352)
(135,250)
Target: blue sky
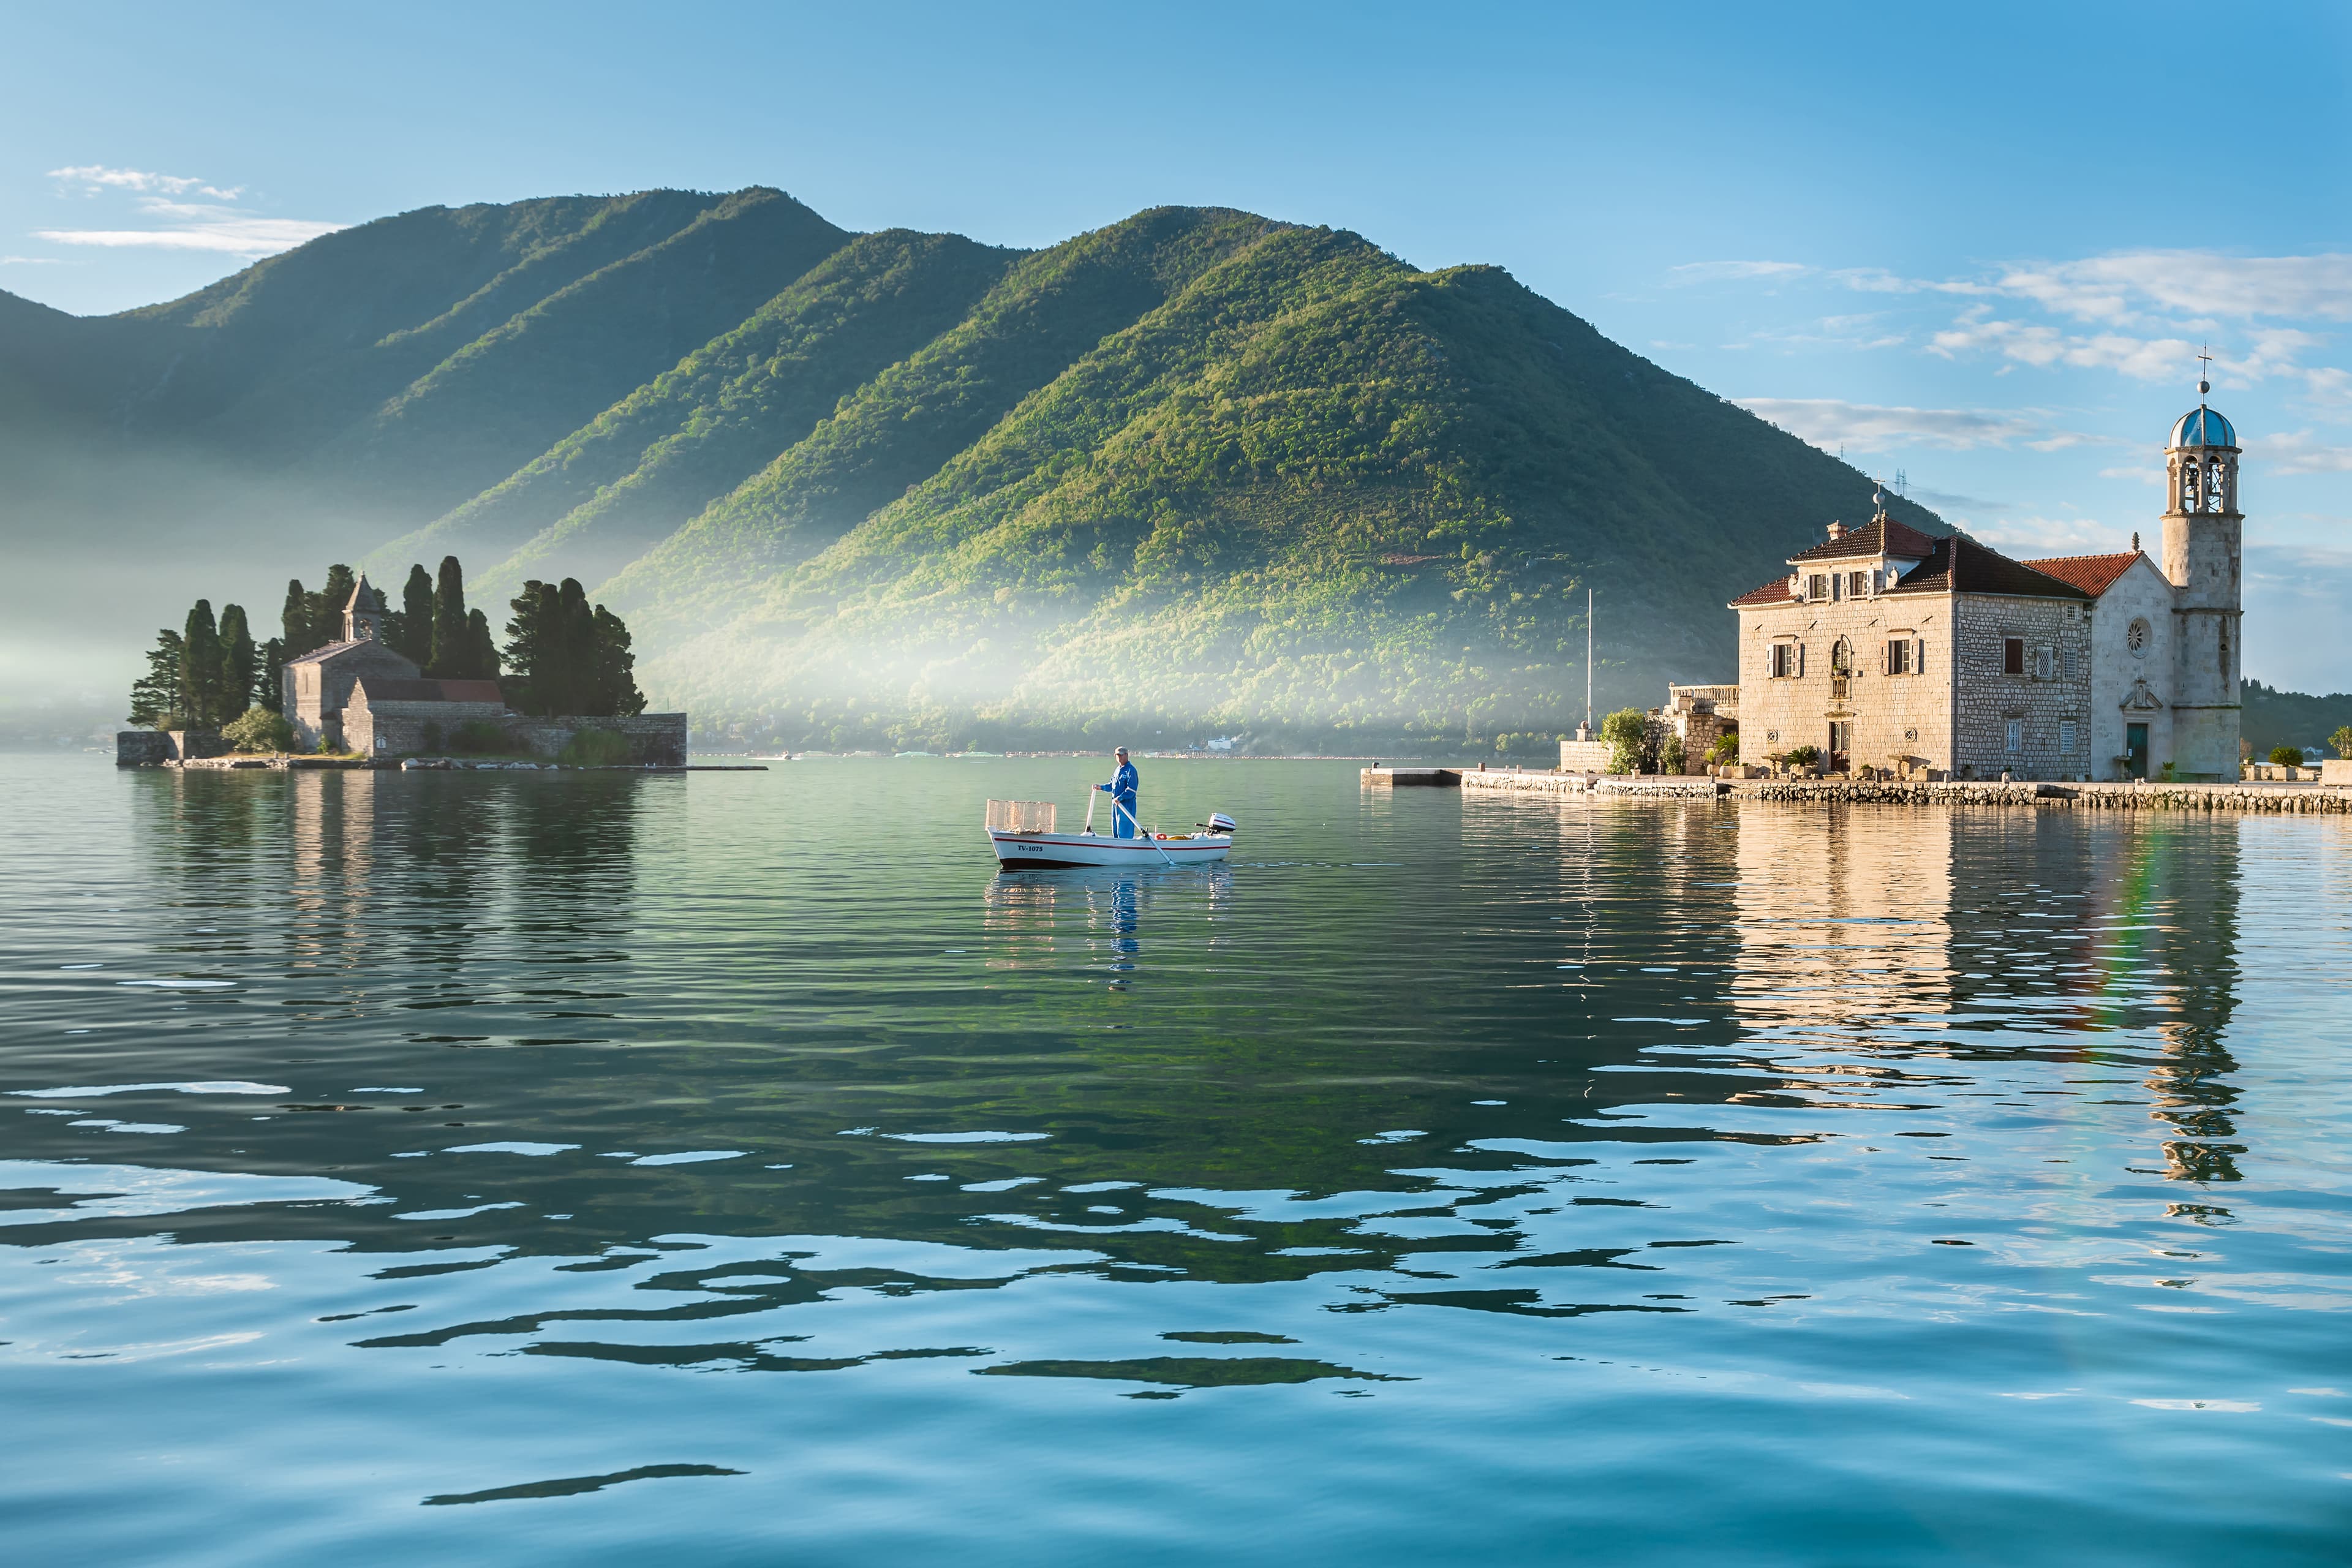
(1978,245)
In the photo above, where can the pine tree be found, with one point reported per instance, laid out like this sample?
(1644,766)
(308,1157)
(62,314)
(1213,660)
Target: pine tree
(272,694)
(333,599)
(482,649)
(200,669)
(240,662)
(156,695)
(296,620)
(415,639)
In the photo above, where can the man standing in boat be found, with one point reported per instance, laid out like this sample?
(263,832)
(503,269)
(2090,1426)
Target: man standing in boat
(1121,790)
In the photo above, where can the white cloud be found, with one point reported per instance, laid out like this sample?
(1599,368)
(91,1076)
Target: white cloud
(233,234)
(168,220)
(2036,537)
(2298,453)
(95,177)
(2192,282)
(32,260)
(1733,271)
(1829,423)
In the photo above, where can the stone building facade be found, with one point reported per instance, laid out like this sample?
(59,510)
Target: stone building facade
(1884,647)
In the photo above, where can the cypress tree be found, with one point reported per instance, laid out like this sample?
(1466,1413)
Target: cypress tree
(482,649)
(333,599)
(156,695)
(415,639)
(576,644)
(272,694)
(612,683)
(200,669)
(295,621)
(240,662)
(531,648)
(449,621)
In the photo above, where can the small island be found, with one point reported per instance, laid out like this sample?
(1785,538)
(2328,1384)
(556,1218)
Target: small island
(350,682)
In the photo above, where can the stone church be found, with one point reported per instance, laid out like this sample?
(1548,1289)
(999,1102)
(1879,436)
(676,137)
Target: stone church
(362,695)
(1885,647)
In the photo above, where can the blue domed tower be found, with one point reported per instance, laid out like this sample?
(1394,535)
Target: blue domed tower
(2202,529)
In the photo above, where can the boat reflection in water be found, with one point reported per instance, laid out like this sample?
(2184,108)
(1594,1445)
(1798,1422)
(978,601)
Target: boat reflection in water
(1035,921)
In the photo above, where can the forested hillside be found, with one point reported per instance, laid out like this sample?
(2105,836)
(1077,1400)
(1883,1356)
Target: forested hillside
(1197,473)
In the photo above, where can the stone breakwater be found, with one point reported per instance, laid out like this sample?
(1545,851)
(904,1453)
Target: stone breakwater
(2301,799)
(1504,781)
(1513,781)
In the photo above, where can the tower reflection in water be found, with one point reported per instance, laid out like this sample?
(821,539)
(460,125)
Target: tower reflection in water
(1880,938)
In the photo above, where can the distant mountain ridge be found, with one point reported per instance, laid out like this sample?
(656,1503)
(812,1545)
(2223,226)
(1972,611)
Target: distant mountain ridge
(1199,471)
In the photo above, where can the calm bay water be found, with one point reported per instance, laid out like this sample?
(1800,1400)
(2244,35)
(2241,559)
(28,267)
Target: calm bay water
(733,1169)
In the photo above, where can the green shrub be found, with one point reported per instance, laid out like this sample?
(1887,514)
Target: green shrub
(1670,755)
(2286,756)
(1725,750)
(258,730)
(597,749)
(479,735)
(2342,741)
(1627,730)
(1802,756)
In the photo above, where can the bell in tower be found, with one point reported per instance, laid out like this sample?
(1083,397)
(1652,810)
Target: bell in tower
(2202,538)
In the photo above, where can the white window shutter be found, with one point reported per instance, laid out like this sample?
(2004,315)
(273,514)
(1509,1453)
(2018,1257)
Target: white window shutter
(1800,660)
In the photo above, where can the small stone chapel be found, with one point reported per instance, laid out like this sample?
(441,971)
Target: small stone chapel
(363,695)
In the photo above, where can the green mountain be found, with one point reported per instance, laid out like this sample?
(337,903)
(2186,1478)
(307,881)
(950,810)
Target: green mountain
(1197,473)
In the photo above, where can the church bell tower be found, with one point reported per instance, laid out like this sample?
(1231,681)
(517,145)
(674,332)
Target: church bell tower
(2202,529)
(363,616)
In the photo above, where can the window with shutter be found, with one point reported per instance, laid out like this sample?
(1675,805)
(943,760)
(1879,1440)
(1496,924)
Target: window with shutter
(1919,656)
(2066,737)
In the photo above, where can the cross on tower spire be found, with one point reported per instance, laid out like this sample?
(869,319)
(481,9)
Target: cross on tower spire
(2204,364)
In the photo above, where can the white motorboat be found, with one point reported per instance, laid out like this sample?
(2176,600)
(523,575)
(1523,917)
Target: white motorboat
(1022,835)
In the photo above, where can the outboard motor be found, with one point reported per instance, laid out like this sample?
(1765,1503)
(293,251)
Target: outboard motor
(1220,823)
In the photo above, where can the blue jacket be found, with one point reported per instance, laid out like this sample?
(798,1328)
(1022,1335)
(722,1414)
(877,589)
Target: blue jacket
(1122,786)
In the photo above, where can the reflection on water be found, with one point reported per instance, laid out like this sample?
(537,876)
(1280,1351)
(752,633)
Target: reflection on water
(1479,1179)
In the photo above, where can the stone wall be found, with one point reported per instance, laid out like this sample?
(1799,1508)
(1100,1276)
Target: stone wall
(1986,701)
(156,748)
(143,748)
(1584,756)
(659,738)
(406,728)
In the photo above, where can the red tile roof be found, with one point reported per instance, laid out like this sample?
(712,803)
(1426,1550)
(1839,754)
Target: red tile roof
(380,688)
(1960,564)
(1776,591)
(1880,536)
(2094,574)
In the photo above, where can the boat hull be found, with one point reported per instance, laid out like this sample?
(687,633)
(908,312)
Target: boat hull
(1063,851)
